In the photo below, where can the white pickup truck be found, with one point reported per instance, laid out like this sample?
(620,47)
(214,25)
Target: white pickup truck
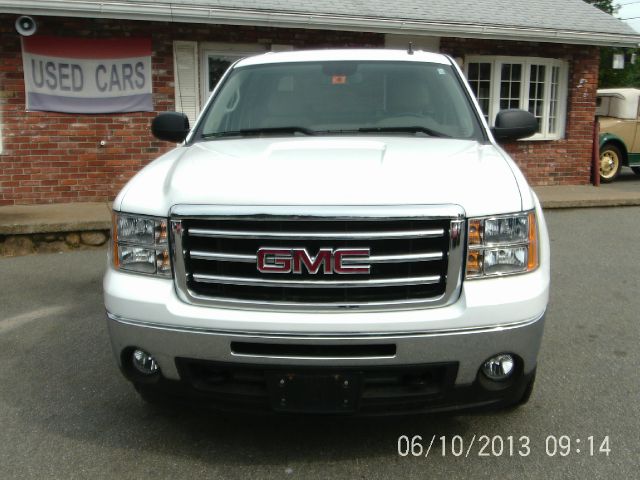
(338,233)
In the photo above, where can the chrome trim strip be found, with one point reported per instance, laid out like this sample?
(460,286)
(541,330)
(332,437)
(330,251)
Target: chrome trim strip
(325,336)
(202,232)
(505,215)
(498,246)
(317,212)
(268,282)
(309,357)
(241,258)
(222,257)
(237,303)
(455,268)
(413,257)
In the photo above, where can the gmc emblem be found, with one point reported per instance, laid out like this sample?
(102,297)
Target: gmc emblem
(291,260)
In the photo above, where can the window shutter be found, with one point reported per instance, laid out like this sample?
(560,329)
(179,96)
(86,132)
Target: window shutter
(185,69)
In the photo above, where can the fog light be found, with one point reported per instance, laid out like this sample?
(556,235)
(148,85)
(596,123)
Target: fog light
(144,362)
(499,367)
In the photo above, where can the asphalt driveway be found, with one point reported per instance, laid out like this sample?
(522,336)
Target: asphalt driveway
(66,412)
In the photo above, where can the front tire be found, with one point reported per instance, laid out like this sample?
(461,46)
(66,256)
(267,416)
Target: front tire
(610,163)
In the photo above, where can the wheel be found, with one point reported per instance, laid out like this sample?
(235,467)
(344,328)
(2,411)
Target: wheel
(610,163)
(636,170)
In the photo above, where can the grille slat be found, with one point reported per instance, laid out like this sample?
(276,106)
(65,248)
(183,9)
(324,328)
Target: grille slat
(223,257)
(236,257)
(271,282)
(409,260)
(201,232)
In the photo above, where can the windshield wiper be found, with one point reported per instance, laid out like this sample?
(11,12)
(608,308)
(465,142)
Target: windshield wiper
(250,132)
(409,129)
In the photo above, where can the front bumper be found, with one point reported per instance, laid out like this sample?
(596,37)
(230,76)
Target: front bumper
(450,360)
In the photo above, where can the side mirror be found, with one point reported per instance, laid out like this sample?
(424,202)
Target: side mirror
(514,124)
(170,126)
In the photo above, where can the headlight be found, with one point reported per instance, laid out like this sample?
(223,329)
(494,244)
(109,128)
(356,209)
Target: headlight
(502,245)
(140,245)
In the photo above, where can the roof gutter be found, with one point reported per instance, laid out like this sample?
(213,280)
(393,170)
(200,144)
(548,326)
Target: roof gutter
(165,12)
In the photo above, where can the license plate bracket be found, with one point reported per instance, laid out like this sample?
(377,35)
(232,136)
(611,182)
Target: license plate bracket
(314,392)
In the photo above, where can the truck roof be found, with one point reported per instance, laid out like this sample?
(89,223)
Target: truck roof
(344,55)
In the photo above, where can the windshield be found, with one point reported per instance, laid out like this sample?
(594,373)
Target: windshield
(345,97)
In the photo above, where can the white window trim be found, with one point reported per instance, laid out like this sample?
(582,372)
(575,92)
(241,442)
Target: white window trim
(239,50)
(526,62)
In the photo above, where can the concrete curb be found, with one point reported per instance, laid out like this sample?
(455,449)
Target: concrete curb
(55,218)
(623,193)
(17,229)
(590,203)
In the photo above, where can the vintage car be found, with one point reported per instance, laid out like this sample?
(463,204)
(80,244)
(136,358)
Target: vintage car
(618,114)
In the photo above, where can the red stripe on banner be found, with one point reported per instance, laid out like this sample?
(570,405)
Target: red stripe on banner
(87,48)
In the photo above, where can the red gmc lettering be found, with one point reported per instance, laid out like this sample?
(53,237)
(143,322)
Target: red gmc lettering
(342,257)
(323,258)
(341,261)
(274,260)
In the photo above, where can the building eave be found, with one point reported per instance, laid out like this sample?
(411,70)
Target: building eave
(164,12)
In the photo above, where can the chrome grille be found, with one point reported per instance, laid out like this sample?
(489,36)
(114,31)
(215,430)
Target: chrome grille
(415,256)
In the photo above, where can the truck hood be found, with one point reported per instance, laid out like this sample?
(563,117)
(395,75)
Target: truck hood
(328,171)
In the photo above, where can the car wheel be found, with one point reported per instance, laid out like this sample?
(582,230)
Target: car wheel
(636,170)
(610,163)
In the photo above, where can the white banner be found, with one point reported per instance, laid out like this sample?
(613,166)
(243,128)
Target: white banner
(87,75)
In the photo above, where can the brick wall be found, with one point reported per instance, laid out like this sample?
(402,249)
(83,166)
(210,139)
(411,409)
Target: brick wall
(560,162)
(56,157)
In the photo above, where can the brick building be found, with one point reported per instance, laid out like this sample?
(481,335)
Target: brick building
(540,55)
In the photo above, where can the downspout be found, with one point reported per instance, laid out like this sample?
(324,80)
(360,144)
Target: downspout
(595,161)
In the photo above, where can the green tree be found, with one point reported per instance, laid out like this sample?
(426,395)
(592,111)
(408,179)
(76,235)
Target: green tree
(629,76)
(604,5)
(609,77)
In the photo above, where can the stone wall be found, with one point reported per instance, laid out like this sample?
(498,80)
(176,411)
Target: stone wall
(18,245)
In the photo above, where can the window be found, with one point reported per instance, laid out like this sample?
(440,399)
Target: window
(538,85)
(341,98)
(216,58)
(198,68)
